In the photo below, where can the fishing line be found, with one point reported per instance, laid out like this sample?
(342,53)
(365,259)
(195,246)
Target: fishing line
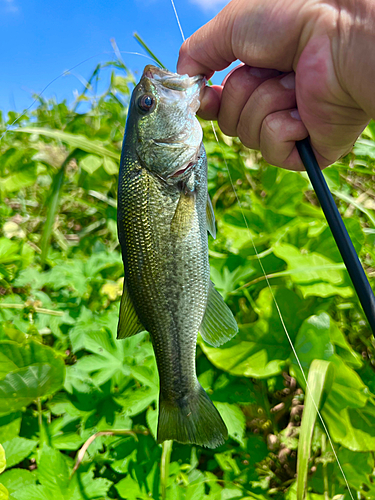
(273,295)
(65,73)
(178,20)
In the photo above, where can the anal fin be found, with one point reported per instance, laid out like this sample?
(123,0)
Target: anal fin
(128,323)
(218,324)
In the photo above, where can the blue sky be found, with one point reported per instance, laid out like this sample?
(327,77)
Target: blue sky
(40,39)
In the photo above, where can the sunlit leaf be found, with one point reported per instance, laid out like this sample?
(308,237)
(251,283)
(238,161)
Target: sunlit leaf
(4,494)
(17,479)
(91,163)
(2,459)
(17,449)
(74,140)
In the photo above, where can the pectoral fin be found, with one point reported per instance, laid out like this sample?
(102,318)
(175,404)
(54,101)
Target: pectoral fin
(210,218)
(128,323)
(218,324)
(183,218)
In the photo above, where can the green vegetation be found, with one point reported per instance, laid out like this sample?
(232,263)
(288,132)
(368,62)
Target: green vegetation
(78,408)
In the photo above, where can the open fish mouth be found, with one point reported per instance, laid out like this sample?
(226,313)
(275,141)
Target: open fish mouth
(184,169)
(174,81)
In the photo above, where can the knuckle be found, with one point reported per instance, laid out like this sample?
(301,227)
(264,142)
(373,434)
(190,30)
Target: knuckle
(271,127)
(245,136)
(263,96)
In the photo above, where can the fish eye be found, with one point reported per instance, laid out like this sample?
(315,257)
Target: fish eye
(146,102)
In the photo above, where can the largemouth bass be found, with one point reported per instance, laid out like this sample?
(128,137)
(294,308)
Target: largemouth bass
(164,213)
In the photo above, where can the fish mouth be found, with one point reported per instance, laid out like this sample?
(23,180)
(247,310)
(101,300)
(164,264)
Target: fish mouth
(174,81)
(182,170)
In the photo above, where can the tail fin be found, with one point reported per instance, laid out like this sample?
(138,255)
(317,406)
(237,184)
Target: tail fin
(195,421)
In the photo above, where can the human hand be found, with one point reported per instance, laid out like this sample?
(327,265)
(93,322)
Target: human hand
(296,54)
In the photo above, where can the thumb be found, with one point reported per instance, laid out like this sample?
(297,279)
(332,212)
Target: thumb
(260,33)
(209,49)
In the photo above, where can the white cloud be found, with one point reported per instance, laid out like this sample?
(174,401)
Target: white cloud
(9,6)
(210,5)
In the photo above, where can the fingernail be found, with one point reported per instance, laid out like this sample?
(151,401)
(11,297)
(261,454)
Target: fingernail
(294,114)
(262,72)
(288,81)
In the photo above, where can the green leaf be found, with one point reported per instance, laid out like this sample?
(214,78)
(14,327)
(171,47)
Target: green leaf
(4,494)
(91,163)
(3,462)
(18,180)
(152,421)
(67,441)
(53,472)
(325,244)
(352,427)
(226,281)
(129,489)
(17,479)
(74,140)
(8,251)
(36,492)
(17,449)
(234,419)
(287,193)
(313,341)
(319,380)
(195,490)
(315,273)
(107,359)
(39,371)
(83,485)
(110,166)
(135,401)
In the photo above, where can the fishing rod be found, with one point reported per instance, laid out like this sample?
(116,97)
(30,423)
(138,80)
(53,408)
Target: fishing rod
(340,234)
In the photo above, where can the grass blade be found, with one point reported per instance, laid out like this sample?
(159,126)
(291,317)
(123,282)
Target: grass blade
(52,203)
(148,50)
(319,382)
(352,201)
(164,467)
(76,141)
